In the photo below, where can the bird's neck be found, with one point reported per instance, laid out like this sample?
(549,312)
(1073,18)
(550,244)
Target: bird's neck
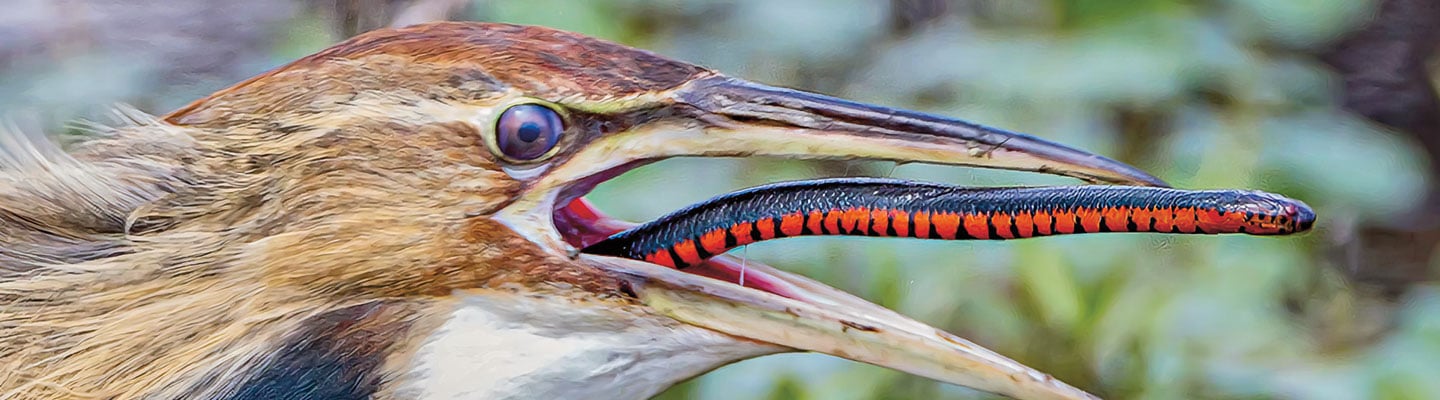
(501,344)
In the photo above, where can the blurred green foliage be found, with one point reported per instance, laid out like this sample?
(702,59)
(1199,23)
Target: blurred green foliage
(1205,94)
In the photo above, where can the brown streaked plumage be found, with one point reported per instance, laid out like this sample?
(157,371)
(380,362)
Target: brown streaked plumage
(465,62)
(352,225)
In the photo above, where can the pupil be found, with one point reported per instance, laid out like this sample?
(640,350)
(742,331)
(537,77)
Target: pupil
(528,132)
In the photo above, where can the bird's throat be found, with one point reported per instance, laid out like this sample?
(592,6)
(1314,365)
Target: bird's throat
(519,344)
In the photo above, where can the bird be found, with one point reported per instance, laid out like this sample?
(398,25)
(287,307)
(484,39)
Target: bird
(402,216)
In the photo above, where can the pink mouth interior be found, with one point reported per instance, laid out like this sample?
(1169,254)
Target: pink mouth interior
(581,225)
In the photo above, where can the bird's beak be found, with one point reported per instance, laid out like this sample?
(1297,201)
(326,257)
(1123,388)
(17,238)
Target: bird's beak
(724,117)
(806,315)
(720,116)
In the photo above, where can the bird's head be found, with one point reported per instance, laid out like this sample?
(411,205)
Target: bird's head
(448,161)
(444,165)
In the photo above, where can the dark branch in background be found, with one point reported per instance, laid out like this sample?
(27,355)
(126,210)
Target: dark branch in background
(909,16)
(1385,67)
(1386,74)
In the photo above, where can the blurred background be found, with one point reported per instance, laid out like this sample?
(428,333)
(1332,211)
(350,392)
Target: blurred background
(1328,101)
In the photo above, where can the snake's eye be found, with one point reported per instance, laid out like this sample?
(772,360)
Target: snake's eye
(527,132)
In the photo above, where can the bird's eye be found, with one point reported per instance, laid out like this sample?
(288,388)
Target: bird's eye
(527,132)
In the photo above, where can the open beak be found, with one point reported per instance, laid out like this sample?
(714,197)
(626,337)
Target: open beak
(719,116)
